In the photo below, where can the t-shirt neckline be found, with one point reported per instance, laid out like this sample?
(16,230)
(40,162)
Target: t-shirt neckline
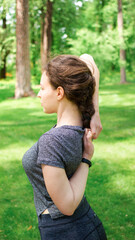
(69,126)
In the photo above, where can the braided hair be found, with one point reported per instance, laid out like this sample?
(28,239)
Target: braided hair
(78,83)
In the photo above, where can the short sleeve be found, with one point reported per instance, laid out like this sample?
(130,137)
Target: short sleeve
(50,151)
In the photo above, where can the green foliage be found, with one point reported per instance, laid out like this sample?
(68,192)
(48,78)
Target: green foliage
(110,186)
(103,47)
(64,12)
(64,23)
(129,33)
(7,44)
(7,33)
(78,27)
(98,34)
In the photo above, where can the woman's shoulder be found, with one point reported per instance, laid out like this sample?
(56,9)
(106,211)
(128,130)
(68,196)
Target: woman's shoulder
(62,135)
(65,130)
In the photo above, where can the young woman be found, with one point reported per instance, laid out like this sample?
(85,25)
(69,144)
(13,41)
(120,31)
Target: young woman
(57,165)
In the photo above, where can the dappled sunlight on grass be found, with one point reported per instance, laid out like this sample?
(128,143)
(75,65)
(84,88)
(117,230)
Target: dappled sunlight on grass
(122,95)
(110,186)
(120,183)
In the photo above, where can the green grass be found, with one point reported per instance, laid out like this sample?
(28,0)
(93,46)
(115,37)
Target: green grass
(110,187)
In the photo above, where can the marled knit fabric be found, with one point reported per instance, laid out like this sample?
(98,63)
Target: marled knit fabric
(59,147)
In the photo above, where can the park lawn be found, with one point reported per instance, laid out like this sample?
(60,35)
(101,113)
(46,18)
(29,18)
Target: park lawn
(110,186)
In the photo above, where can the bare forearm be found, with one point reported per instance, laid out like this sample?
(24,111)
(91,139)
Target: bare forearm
(79,179)
(95,124)
(78,184)
(67,194)
(88,59)
(95,96)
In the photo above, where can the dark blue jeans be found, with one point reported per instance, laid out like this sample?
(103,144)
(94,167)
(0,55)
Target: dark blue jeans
(82,225)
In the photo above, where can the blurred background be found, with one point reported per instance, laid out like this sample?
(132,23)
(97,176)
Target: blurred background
(104,29)
(32,32)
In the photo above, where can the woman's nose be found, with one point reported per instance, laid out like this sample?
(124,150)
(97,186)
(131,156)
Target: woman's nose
(39,94)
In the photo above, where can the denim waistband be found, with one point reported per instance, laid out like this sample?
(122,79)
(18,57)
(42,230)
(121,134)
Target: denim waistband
(79,212)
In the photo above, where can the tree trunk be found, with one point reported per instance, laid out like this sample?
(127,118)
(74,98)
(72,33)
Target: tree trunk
(23,86)
(3,68)
(122,51)
(3,55)
(46,25)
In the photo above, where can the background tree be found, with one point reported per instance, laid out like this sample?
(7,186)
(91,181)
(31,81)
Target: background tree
(35,36)
(7,38)
(23,86)
(122,50)
(98,37)
(75,27)
(65,23)
(4,51)
(63,13)
(128,10)
(46,32)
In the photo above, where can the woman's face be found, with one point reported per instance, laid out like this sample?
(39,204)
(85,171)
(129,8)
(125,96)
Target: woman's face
(48,95)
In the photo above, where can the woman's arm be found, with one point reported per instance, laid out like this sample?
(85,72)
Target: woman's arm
(95,124)
(67,194)
(79,179)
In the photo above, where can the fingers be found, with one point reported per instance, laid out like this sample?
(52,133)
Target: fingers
(96,126)
(88,134)
(96,131)
(88,145)
(93,132)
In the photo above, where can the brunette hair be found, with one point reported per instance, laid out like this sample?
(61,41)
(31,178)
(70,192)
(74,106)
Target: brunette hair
(78,83)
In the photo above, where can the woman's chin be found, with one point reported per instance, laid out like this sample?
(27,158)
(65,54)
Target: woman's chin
(45,111)
(48,112)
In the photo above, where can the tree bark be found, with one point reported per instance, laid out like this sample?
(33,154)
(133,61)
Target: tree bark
(4,54)
(23,86)
(46,25)
(122,50)
(3,68)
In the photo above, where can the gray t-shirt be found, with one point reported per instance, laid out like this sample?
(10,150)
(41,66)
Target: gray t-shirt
(60,147)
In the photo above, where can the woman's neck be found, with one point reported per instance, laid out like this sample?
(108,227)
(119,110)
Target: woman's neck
(69,114)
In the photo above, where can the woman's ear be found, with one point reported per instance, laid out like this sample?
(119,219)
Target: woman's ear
(60,93)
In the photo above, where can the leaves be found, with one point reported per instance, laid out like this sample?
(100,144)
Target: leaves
(77,27)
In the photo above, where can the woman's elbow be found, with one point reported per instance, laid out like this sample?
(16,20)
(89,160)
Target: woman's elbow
(68,212)
(68,209)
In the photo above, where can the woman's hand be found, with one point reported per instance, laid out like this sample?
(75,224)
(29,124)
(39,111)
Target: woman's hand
(88,145)
(95,125)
